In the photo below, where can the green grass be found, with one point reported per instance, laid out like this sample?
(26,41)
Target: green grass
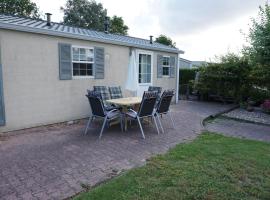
(210,167)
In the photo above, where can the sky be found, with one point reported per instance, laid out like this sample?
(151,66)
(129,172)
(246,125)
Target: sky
(203,29)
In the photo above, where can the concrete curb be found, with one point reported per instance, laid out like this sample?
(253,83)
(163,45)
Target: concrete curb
(203,121)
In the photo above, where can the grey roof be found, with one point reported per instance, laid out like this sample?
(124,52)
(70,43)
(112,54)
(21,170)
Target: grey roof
(57,29)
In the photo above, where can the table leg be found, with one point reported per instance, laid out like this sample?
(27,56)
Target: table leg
(124,110)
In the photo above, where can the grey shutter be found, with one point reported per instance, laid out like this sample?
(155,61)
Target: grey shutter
(172,66)
(99,63)
(2,105)
(65,61)
(159,66)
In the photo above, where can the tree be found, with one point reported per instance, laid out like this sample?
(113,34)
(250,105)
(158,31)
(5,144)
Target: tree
(117,25)
(163,39)
(24,8)
(85,14)
(259,50)
(90,14)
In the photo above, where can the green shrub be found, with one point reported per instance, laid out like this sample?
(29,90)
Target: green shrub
(229,78)
(258,95)
(185,78)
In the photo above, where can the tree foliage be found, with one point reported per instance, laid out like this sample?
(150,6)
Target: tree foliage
(117,25)
(90,14)
(163,39)
(24,8)
(243,77)
(258,52)
(85,14)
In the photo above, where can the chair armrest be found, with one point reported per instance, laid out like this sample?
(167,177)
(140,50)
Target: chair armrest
(131,110)
(113,110)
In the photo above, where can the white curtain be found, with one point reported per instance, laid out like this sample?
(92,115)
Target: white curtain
(132,76)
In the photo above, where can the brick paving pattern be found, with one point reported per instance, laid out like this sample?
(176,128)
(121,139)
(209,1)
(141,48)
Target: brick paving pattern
(240,129)
(53,162)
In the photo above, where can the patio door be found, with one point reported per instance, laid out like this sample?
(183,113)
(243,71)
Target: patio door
(145,73)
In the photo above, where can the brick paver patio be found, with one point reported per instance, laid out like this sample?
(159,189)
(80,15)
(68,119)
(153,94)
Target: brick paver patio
(53,162)
(240,129)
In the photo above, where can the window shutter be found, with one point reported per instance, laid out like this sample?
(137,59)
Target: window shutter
(2,105)
(99,63)
(65,62)
(159,66)
(172,66)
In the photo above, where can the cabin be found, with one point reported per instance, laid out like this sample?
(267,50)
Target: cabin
(46,68)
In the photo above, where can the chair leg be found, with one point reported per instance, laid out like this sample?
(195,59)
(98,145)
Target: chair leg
(121,122)
(88,123)
(159,120)
(139,122)
(171,120)
(155,121)
(103,126)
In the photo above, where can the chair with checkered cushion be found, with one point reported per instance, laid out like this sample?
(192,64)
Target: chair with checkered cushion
(99,111)
(115,92)
(103,91)
(107,106)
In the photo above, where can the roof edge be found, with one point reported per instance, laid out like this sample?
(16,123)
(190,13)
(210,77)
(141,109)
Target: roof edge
(88,38)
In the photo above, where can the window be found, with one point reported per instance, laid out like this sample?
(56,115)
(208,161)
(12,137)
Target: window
(144,68)
(82,61)
(166,66)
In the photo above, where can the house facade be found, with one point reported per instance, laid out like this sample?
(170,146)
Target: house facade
(46,68)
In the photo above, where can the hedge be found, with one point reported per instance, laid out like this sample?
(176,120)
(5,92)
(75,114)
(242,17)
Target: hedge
(185,76)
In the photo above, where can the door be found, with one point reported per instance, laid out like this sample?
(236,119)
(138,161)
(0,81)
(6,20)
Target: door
(145,73)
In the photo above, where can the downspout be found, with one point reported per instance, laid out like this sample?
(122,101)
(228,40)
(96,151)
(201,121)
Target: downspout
(177,80)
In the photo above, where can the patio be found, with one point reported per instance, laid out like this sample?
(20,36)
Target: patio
(53,162)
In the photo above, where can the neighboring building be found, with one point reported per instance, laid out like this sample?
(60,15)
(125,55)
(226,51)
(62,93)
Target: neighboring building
(46,68)
(184,63)
(188,64)
(197,64)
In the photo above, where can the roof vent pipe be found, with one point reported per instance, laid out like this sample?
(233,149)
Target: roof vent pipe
(151,39)
(48,18)
(106,25)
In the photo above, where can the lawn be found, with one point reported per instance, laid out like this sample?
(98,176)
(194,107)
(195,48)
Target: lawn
(211,167)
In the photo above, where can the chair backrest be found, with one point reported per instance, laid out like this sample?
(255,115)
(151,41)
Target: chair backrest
(165,101)
(148,103)
(103,91)
(96,103)
(155,88)
(115,92)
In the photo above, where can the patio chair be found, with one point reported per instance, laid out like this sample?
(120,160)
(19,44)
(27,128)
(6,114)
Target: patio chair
(155,88)
(146,110)
(163,107)
(98,111)
(103,91)
(115,92)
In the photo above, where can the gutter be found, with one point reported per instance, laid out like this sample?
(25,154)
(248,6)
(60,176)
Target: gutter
(76,36)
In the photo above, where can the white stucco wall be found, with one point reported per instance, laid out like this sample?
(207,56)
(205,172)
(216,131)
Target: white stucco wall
(33,93)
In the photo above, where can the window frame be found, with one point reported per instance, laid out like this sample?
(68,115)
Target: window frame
(167,66)
(137,59)
(85,62)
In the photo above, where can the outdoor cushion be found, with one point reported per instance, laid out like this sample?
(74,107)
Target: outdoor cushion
(107,107)
(103,91)
(113,114)
(115,92)
(131,114)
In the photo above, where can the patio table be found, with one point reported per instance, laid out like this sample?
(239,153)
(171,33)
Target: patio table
(125,103)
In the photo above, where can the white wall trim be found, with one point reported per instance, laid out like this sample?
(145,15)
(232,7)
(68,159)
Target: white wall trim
(177,80)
